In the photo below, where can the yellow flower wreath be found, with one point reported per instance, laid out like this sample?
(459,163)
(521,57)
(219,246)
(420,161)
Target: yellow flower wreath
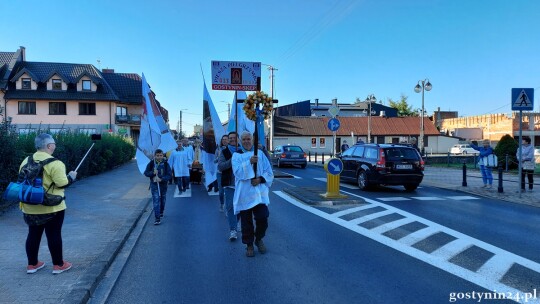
(255,99)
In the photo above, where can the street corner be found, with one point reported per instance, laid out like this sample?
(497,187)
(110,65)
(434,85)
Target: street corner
(314,196)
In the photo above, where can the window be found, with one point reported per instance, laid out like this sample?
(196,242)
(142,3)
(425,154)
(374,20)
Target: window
(314,142)
(87,109)
(322,142)
(87,130)
(57,84)
(57,108)
(358,152)
(26,84)
(86,85)
(371,153)
(121,111)
(27,130)
(27,107)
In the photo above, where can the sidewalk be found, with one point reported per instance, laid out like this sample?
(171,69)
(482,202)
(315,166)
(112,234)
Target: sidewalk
(101,212)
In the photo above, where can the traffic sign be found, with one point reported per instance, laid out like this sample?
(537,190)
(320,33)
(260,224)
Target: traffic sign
(333,110)
(333,124)
(522,99)
(334,166)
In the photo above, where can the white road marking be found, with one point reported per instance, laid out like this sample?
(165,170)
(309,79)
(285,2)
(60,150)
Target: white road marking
(369,217)
(351,210)
(391,225)
(462,197)
(427,198)
(452,249)
(488,276)
(393,199)
(187,193)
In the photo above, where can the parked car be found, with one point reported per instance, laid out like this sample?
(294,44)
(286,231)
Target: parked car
(288,155)
(463,149)
(370,165)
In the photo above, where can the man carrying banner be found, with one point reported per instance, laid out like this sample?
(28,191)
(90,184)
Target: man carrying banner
(159,172)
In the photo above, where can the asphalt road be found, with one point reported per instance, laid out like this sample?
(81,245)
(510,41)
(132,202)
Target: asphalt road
(314,256)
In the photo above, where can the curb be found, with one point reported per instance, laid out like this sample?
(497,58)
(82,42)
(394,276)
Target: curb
(88,282)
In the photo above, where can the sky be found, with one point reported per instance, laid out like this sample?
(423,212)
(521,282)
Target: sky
(473,52)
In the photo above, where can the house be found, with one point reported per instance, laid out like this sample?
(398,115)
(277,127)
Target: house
(313,135)
(70,96)
(319,109)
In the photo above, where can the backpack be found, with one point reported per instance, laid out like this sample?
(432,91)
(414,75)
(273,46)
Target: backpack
(29,186)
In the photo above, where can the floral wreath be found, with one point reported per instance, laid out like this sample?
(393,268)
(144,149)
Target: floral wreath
(252,102)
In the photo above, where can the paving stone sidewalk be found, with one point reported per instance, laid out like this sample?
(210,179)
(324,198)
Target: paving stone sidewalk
(101,212)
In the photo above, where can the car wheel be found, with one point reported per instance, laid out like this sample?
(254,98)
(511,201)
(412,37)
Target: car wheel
(279,164)
(410,187)
(303,166)
(362,181)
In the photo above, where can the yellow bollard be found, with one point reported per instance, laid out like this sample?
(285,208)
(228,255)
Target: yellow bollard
(332,185)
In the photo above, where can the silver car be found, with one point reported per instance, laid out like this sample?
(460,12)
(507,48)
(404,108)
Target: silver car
(288,155)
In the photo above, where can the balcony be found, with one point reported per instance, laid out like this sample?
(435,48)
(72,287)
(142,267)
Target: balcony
(134,119)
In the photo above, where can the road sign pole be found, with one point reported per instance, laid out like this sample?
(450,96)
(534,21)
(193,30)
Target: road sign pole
(521,177)
(334,144)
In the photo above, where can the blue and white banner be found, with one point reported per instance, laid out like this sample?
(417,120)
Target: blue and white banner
(213,130)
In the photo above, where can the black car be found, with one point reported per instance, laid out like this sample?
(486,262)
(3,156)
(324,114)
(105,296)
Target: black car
(370,165)
(288,155)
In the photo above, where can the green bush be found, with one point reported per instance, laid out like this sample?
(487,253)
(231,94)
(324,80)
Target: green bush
(109,152)
(507,146)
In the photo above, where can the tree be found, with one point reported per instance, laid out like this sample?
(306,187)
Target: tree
(507,146)
(404,109)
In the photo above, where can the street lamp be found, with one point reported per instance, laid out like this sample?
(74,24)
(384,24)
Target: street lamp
(426,86)
(370,99)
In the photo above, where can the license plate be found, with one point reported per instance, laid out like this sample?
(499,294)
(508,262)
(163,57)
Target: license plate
(407,166)
(295,155)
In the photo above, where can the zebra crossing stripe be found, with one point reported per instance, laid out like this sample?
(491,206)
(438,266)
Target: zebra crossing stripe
(491,273)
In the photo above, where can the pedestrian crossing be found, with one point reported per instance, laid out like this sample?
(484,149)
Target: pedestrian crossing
(188,193)
(466,257)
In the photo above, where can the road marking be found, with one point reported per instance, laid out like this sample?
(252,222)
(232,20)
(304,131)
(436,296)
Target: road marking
(392,225)
(462,197)
(187,193)
(427,198)
(369,217)
(393,199)
(488,276)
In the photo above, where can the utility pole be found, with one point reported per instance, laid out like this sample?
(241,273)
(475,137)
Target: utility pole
(272,69)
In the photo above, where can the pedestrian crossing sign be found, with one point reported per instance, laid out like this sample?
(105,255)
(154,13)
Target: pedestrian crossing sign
(522,99)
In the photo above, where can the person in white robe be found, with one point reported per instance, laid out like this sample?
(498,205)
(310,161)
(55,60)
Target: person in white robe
(189,151)
(180,162)
(251,195)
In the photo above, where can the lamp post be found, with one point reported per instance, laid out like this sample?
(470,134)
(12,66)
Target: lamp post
(179,128)
(426,86)
(370,99)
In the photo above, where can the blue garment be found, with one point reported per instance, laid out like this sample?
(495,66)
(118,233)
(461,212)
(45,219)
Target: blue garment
(220,187)
(487,176)
(231,217)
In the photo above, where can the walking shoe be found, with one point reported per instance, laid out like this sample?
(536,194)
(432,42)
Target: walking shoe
(59,269)
(161,215)
(250,252)
(157,222)
(221,208)
(488,186)
(35,268)
(484,186)
(260,246)
(233,235)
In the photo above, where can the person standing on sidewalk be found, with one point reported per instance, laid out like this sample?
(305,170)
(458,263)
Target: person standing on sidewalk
(50,219)
(228,184)
(222,145)
(251,197)
(179,162)
(526,158)
(159,172)
(485,151)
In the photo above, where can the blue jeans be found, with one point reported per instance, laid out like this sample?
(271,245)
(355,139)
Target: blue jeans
(487,177)
(233,219)
(157,200)
(221,192)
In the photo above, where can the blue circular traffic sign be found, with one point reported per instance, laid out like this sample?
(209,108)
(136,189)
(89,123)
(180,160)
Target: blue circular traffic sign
(333,124)
(334,166)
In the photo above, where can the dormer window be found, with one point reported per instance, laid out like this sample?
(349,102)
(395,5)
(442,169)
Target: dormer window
(86,85)
(57,84)
(26,84)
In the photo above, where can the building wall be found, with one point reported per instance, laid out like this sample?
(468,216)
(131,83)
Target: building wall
(495,126)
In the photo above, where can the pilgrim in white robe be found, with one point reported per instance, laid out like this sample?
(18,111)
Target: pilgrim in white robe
(247,196)
(179,162)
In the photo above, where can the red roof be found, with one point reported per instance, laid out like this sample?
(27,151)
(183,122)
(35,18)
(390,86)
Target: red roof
(380,126)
